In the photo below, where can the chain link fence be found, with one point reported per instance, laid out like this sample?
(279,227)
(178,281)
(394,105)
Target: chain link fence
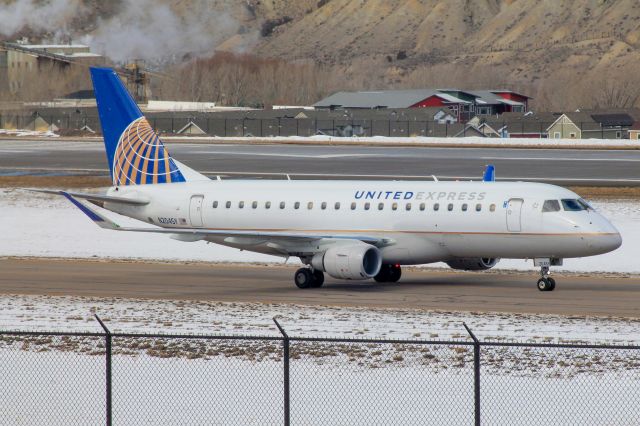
(123,378)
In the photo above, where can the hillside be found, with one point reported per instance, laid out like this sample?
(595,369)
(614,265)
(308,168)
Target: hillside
(541,47)
(564,53)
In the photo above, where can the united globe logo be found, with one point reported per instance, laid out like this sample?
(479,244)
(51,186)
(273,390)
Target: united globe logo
(141,158)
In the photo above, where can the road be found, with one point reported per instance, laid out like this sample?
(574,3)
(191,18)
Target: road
(560,166)
(426,289)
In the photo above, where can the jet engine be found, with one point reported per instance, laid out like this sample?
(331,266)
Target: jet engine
(473,264)
(349,261)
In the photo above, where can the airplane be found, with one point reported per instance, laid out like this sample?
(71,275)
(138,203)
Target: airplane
(352,230)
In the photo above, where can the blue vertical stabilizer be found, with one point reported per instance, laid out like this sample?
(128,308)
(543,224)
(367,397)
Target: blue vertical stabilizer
(135,154)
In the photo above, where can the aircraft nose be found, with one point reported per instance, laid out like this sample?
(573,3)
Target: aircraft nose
(612,241)
(610,238)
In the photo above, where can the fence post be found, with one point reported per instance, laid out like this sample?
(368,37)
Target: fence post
(107,339)
(287,400)
(476,374)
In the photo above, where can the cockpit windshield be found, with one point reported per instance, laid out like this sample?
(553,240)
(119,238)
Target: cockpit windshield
(575,205)
(586,205)
(568,205)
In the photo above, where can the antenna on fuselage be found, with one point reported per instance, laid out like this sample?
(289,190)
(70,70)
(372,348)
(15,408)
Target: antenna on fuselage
(288,177)
(218,177)
(435,179)
(489,173)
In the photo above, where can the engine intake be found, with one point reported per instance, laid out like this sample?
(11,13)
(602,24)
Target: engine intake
(473,264)
(350,262)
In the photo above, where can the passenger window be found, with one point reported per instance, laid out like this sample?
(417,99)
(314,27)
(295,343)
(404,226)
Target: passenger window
(254,205)
(450,207)
(492,207)
(228,204)
(282,205)
(241,204)
(367,206)
(296,205)
(353,206)
(394,206)
(267,205)
(422,207)
(408,206)
(380,206)
(436,207)
(215,204)
(336,206)
(478,207)
(551,206)
(323,206)
(464,207)
(309,205)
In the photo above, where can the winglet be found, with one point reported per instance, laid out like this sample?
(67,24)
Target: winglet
(489,173)
(97,218)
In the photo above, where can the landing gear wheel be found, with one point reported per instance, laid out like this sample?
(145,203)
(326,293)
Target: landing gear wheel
(318,279)
(383,275)
(552,282)
(303,278)
(396,273)
(546,284)
(389,274)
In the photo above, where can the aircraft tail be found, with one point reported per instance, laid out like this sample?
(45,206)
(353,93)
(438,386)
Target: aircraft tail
(136,155)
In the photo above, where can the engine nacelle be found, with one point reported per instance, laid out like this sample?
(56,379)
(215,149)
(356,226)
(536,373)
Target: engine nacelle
(349,261)
(473,263)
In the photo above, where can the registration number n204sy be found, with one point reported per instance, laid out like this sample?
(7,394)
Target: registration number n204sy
(168,220)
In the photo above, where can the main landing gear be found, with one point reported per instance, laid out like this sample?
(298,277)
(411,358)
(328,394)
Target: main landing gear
(306,278)
(389,274)
(546,283)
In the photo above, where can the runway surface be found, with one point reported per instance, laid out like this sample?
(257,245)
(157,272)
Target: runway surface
(440,290)
(561,166)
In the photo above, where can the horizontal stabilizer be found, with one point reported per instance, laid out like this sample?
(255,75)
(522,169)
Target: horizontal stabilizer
(140,201)
(97,218)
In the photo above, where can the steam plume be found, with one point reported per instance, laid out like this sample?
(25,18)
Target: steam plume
(140,29)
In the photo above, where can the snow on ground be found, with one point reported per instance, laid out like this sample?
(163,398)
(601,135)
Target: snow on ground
(49,226)
(28,133)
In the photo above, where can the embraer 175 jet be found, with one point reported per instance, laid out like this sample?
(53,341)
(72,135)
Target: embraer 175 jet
(355,230)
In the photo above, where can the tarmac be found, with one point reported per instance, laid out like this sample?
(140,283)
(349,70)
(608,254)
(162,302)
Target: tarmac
(567,167)
(492,291)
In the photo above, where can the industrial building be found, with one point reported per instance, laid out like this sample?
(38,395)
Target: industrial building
(465,104)
(20,58)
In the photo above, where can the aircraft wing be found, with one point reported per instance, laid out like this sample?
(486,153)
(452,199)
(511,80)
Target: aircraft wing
(195,234)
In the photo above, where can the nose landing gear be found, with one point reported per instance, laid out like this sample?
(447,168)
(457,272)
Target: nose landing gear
(546,283)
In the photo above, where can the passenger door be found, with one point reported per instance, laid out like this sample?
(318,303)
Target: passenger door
(514,214)
(195,210)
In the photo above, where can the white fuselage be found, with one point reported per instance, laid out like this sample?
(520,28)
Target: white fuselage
(420,222)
